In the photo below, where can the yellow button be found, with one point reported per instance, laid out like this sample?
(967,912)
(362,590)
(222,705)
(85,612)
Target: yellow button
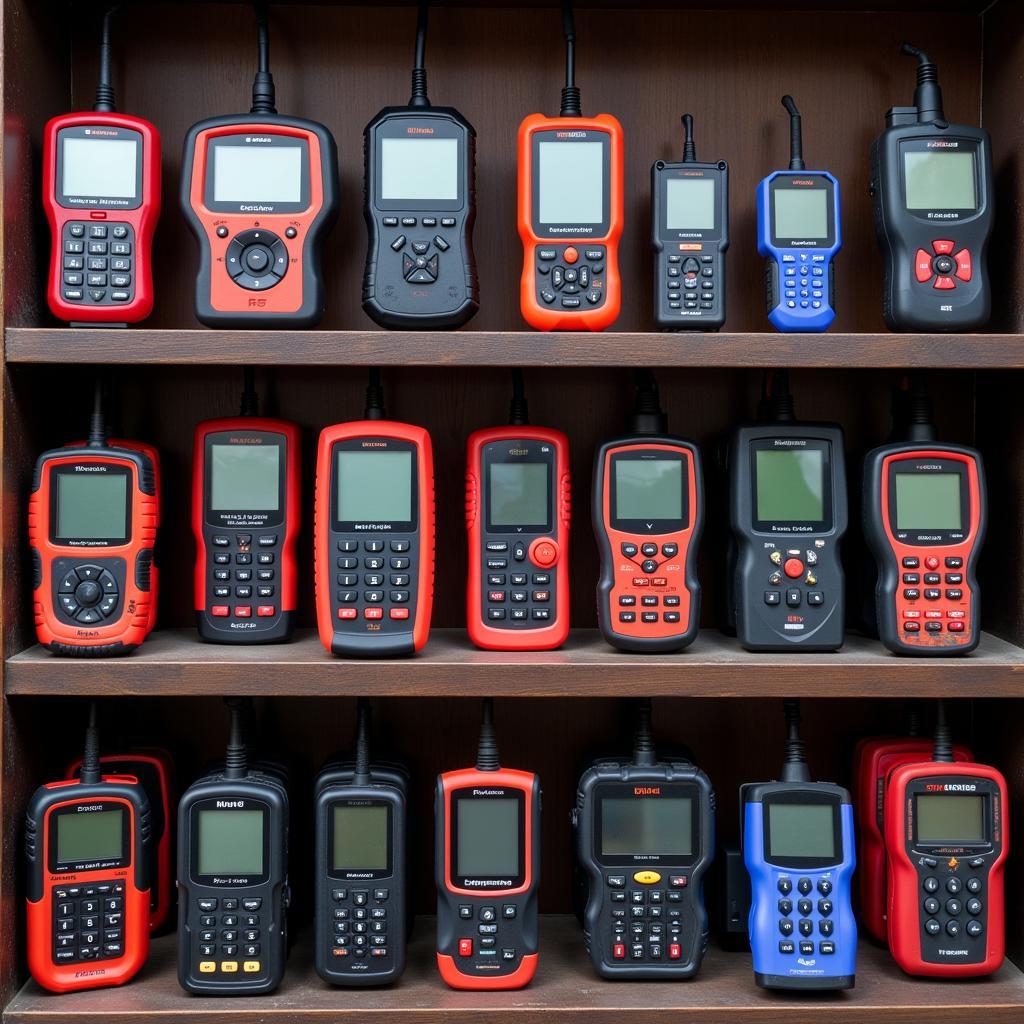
(251,966)
(207,967)
(229,966)
(647,877)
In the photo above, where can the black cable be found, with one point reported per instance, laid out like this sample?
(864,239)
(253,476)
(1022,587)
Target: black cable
(915,718)
(928,93)
(794,767)
(104,88)
(250,398)
(920,422)
(90,773)
(519,407)
(647,416)
(97,423)
(362,772)
(374,396)
(796,142)
(689,148)
(570,93)
(419,68)
(778,404)
(643,740)
(487,748)
(943,748)
(236,758)
(263,92)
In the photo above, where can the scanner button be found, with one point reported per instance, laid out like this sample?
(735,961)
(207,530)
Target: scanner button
(207,966)
(793,598)
(923,266)
(619,951)
(571,254)
(649,565)
(943,247)
(465,947)
(793,568)
(465,912)
(786,946)
(398,243)
(441,243)
(786,927)
(229,966)
(772,597)
(803,886)
(546,254)
(251,966)
(647,877)
(420,248)
(629,550)
(944,283)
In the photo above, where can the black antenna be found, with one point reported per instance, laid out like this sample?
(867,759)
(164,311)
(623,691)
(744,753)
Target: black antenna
(487,749)
(928,94)
(643,740)
(920,425)
(777,404)
(419,70)
(796,141)
(263,93)
(236,760)
(105,89)
(689,149)
(362,773)
(647,416)
(942,751)
(570,93)
(794,768)
(250,399)
(519,408)
(90,772)
(97,423)
(374,396)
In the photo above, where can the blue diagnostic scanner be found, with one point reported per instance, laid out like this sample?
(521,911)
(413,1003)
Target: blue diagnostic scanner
(798,847)
(798,234)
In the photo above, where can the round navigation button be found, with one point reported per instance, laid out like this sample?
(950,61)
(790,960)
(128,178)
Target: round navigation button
(257,259)
(544,553)
(571,254)
(793,568)
(88,593)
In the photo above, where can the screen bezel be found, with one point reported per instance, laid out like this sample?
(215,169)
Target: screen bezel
(404,128)
(247,205)
(951,212)
(98,805)
(499,452)
(371,445)
(934,465)
(800,526)
(803,796)
(785,183)
(670,173)
(473,882)
(210,804)
(112,469)
(569,229)
(985,787)
(360,873)
(648,526)
(619,790)
(112,133)
(242,518)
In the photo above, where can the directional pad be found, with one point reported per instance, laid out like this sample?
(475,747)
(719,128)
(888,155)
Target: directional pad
(941,267)
(420,269)
(88,594)
(256,259)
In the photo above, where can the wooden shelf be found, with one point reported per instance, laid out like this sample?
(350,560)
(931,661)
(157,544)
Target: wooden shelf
(175,663)
(142,346)
(565,987)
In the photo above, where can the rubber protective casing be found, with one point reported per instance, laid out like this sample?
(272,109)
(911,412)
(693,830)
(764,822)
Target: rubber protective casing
(142,219)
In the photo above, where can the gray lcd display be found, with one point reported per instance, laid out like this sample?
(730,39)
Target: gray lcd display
(254,174)
(653,826)
(245,477)
(419,169)
(92,506)
(790,486)
(518,494)
(571,182)
(928,501)
(360,837)
(488,838)
(648,488)
(801,212)
(99,168)
(90,836)
(230,843)
(943,818)
(690,204)
(801,830)
(374,486)
(938,179)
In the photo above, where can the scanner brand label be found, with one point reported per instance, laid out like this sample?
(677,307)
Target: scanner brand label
(226,804)
(950,787)
(647,791)
(419,130)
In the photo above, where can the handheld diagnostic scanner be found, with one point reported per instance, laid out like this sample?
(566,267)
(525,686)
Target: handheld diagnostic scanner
(87,877)
(798,846)
(259,191)
(233,877)
(798,235)
(925,515)
(518,505)
(101,193)
(933,192)
(689,233)
(487,866)
(788,510)
(419,201)
(361,876)
(645,836)
(947,838)
(246,511)
(570,211)
(648,514)
(92,525)
(374,534)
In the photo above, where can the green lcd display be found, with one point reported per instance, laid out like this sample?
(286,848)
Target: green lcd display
(245,477)
(92,506)
(374,486)
(942,818)
(939,179)
(928,501)
(230,842)
(801,830)
(518,494)
(488,838)
(359,838)
(90,836)
(648,489)
(648,827)
(790,485)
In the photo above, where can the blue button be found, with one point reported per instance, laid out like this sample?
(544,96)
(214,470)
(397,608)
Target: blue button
(792,305)
(790,271)
(816,305)
(788,258)
(816,294)
(803,304)
(790,295)
(817,271)
(818,259)
(803,257)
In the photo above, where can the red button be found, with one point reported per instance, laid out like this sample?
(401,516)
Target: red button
(619,951)
(641,581)
(98,214)
(677,881)
(674,952)
(963,265)
(243,611)
(544,553)
(659,581)
(571,255)
(347,613)
(956,626)
(932,562)
(373,613)
(495,596)
(793,568)
(942,248)
(943,284)
(923,266)
(220,610)
(266,609)
(465,947)
(399,613)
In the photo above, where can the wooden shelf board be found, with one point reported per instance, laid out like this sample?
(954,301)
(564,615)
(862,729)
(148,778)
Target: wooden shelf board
(565,986)
(175,663)
(142,346)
